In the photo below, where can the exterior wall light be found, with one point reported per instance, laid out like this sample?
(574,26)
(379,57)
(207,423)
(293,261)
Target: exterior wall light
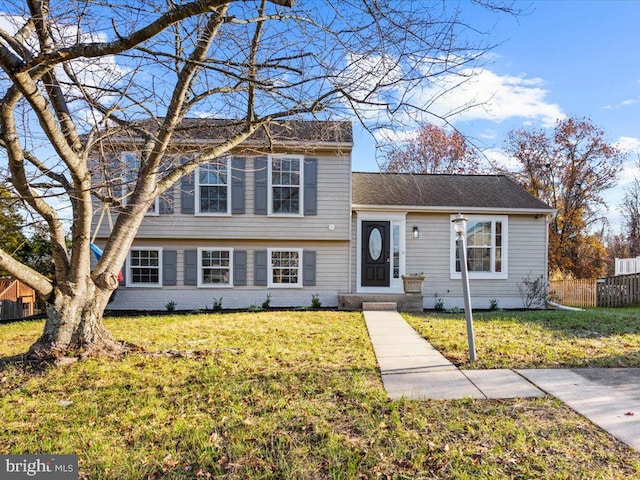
(460,226)
(416,232)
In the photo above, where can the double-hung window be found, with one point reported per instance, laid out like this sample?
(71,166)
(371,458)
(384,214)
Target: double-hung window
(285,185)
(486,239)
(212,189)
(131,163)
(285,267)
(145,267)
(215,267)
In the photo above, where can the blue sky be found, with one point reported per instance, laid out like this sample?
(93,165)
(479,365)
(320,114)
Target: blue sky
(561,58)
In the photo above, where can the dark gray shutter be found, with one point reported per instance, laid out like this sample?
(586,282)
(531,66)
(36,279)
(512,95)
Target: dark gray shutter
(190,267)
(308,268)
(188,194)
(166,201)
(169,267)
(239,268)
(311,186)
(260,270)
(261,185)
(123,270)
(238,167)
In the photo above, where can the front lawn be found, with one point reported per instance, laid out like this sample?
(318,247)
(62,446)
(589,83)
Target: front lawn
(538,339)
(293,395)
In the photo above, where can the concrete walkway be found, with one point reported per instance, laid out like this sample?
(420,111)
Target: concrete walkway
(609,397)
(413,369)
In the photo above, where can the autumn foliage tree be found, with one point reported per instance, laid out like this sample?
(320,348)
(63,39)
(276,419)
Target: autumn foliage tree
(569,168)
(432,150)
(75,74)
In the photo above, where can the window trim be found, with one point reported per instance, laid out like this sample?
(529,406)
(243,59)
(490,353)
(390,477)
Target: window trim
(156,201)
(270,282)
(196,183)
(504,274)
(129,276)
(270,159)
(200,282)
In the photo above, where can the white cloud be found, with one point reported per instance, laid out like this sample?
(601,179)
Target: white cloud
(628,144)
(501,159)
(484,95)
(623,103)
(488,134)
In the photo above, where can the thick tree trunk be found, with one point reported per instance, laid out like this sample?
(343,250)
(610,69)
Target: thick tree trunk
(74,325)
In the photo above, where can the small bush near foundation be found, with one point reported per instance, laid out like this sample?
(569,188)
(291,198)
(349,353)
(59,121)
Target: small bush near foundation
(267,303)
(315,301)
(217,304)
(439,305)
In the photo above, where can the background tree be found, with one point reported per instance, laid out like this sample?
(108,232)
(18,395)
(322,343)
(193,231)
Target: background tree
(80,79)
(569,168)
(11,223)
(630,209)
(432,150)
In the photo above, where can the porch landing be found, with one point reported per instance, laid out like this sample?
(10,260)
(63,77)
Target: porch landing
(407,302)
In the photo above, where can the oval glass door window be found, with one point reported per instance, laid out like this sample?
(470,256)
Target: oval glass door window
(375,244)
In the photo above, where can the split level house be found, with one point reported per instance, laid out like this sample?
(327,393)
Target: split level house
(284,216)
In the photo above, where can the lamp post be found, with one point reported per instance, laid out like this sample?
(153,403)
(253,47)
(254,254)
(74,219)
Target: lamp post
(460,226)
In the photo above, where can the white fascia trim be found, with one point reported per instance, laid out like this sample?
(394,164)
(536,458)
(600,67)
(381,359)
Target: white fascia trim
(201,284)
(129,283)
(270,283)
(478,210)
(245,143)
(270,212)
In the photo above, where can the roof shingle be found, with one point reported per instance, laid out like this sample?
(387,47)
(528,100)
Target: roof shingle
(282,131)
(428,190)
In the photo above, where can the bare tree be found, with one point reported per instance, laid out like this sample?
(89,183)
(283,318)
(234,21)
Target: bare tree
(81,79)
(432,150)
(569,169)
(630,209)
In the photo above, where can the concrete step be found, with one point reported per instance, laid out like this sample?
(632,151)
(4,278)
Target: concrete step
(379,306)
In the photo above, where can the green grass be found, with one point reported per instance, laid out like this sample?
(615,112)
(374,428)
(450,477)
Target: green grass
(279,395)
(538,339)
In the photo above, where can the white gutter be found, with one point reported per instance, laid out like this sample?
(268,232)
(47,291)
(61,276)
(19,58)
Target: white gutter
(445,209)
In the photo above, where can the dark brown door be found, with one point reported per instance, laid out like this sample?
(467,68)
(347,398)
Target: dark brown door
(376,266)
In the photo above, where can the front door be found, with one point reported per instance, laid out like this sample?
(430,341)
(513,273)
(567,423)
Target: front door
(376,265)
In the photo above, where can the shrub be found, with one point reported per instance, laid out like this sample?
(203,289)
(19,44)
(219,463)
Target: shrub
(493,304)
(267,303)
(170,306)
(217,304)
(533,292)
(315,301)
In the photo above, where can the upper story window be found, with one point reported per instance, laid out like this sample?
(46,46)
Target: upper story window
(130,177)
(145,267)
(285,185)
(212,188)
(215,267)
(486,239)
(285,267)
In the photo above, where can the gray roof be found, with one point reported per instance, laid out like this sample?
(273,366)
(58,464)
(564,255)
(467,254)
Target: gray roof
(282,131)
(464,191)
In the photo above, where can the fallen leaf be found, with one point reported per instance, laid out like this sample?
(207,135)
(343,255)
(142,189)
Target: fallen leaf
(65,403)
(629,414)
